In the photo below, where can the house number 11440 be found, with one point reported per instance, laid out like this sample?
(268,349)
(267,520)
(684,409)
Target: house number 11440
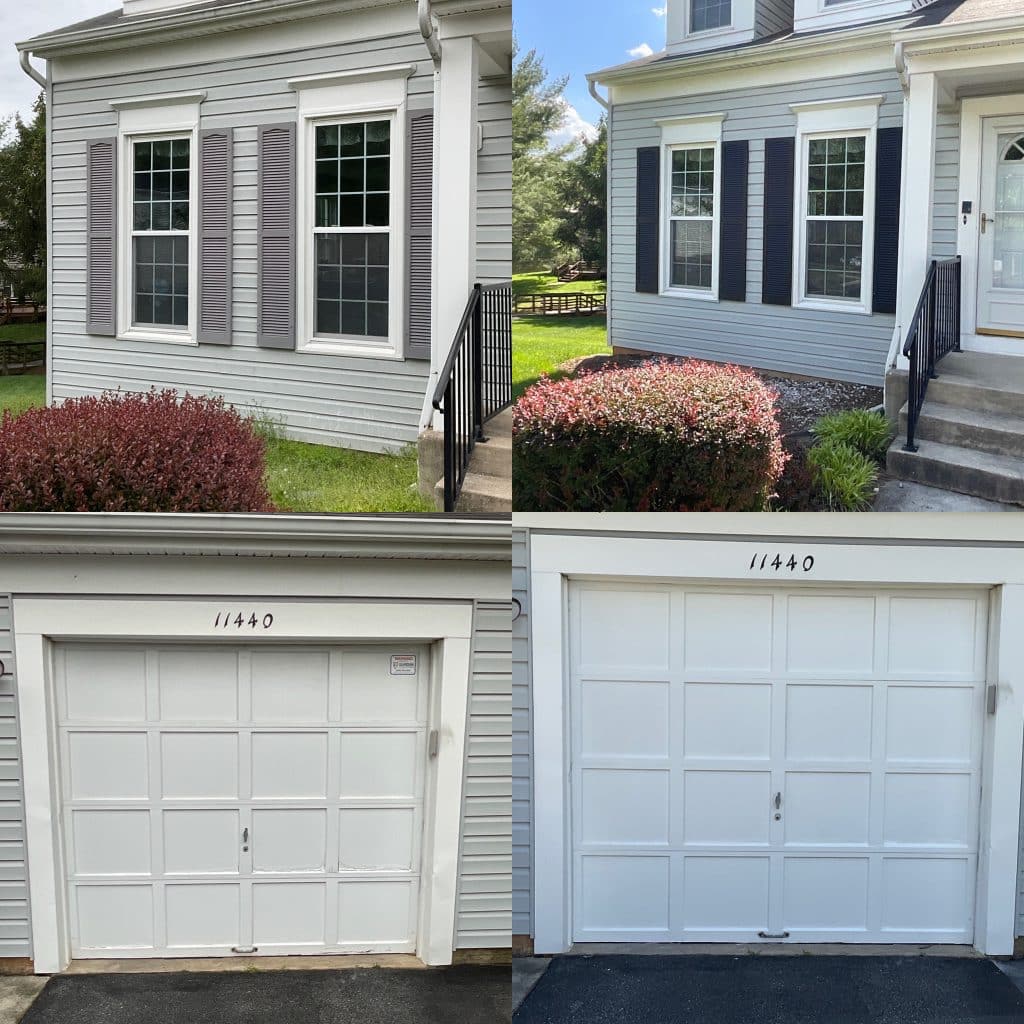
(779,562)
(225,620)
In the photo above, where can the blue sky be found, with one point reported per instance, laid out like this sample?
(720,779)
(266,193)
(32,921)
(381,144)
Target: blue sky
(579,36)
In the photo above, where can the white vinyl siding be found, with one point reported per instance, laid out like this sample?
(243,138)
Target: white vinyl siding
(946,184)
(369,403)
(821,342)
(521,746)
(494,182)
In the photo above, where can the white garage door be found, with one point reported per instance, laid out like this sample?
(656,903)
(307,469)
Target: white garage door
(227,799)
(798,765)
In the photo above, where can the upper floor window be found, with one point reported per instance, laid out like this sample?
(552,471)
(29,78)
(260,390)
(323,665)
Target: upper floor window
(710,14)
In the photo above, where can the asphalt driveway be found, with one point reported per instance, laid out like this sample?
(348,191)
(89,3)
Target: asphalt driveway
(611,989)
(455,995)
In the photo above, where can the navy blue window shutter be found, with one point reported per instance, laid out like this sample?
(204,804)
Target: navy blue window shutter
(732,257)
(648,217)
(888,176)
(777,270)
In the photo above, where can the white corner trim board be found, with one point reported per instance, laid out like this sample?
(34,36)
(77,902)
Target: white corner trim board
(879,664)
(44,624)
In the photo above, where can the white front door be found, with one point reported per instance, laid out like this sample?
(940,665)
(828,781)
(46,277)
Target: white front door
(1001,232)
(235,799)
(785,765)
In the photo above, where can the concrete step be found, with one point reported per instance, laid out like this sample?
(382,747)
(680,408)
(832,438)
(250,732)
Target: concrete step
(480,493)
(500,425)
(982,474)
(996,433)
(493,457)
(986,383)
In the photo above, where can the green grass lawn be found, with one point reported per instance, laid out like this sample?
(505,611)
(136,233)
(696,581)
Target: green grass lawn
(301,477)
(539,344)
(535,284)
(23,332)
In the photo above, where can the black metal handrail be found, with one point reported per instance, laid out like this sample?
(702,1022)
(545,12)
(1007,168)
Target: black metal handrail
(934,333)
(475,383)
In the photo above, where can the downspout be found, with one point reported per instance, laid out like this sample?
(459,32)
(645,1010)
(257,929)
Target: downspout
(592,85)
(606,103)
(32,73)
(428,31)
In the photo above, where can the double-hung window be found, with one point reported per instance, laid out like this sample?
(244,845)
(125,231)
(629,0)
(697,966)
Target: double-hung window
(710,14)
(352,229)
(692,218)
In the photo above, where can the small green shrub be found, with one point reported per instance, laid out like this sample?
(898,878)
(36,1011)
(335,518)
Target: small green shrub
(844,476)
(862,429)
(658,437)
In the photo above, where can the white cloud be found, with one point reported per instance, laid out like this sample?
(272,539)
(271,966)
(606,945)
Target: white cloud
(643,50)
(659,11)
(573,126)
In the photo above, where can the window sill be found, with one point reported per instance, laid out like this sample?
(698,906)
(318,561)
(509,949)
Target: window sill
(164,337)
(823,305)
(336,347)
(689,293)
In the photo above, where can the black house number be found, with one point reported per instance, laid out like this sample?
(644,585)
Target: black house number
(779,562)
(225,620)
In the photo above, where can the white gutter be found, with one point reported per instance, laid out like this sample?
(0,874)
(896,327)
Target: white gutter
(592,85)
(428,30)
(25,59)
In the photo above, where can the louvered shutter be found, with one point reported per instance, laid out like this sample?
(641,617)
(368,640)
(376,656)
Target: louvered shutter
(777,271)
(888,180)
(732,258)
(276,237)
(421,219)
(648,217)
(101,245)
(215,248)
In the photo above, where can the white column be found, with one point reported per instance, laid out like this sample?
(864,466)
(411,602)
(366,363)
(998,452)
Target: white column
(455,167)
(1001,785)
(918,185)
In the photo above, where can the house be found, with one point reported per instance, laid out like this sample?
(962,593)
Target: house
(288,203)
(798,732)
(226,736)
(784,175)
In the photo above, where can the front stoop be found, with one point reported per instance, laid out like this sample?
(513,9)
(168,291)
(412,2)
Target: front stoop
(488,484)
(970,434)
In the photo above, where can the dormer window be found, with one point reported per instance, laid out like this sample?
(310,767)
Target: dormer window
(710,14)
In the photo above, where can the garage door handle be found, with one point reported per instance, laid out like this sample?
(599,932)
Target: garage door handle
(245,840)
(778,801)
(773,935)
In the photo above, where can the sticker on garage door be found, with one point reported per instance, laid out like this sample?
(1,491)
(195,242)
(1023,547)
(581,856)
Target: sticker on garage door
(403,664)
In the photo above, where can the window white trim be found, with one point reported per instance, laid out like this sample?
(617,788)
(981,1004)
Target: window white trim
(817,14)
(830,120)
(683,39)
(165,117)
(702,131)
(336,99)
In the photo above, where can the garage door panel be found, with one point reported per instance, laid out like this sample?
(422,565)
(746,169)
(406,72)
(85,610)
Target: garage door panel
(630,807)
(933,724)
(289,913)
(103,687)
(197,686)
(378,765)
(830,635)
(201,842)
(927,894)
(929,809)
(290,686)
(289,765)
(711,624)
(726,808)
(115,917)
(377,838)
(203,915)
(624,719)
(623,630)
(107,766)
(727,721)
(623,894)
(111,842)
(829,722)
(726,893)
(375,913)
(291,839)
(826,894)
(932,636)
(366,675)
(827,809)
(199,766)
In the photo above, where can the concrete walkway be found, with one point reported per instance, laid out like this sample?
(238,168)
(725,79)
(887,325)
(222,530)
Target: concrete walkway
(905,496)
(17,993)
(526,972)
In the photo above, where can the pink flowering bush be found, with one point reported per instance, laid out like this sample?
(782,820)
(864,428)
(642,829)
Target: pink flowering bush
(659,437)
(156,452)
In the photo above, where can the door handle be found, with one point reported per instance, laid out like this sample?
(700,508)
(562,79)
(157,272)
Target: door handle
(985,221)
(245,840)
(778,801)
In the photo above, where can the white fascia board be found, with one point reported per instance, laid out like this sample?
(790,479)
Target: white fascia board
(370,536)
(959,528)
(989,29)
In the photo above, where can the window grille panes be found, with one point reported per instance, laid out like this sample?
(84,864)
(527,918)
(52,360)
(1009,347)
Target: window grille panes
(352,228)
(707,14)
(835,217)
(692,217)
(161,221)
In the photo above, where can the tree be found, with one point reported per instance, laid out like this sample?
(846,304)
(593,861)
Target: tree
(23,203)
(583,199)
(538,109)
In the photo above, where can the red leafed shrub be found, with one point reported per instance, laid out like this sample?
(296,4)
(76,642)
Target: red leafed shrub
(659,437)
(155,452)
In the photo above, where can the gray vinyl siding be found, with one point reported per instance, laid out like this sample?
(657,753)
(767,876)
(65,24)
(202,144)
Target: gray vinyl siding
(1019,930)
(494,182)
(849,347)
(15,938)
(363,403)
(947,184)
(484,904)
(773,16)
(522,861)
